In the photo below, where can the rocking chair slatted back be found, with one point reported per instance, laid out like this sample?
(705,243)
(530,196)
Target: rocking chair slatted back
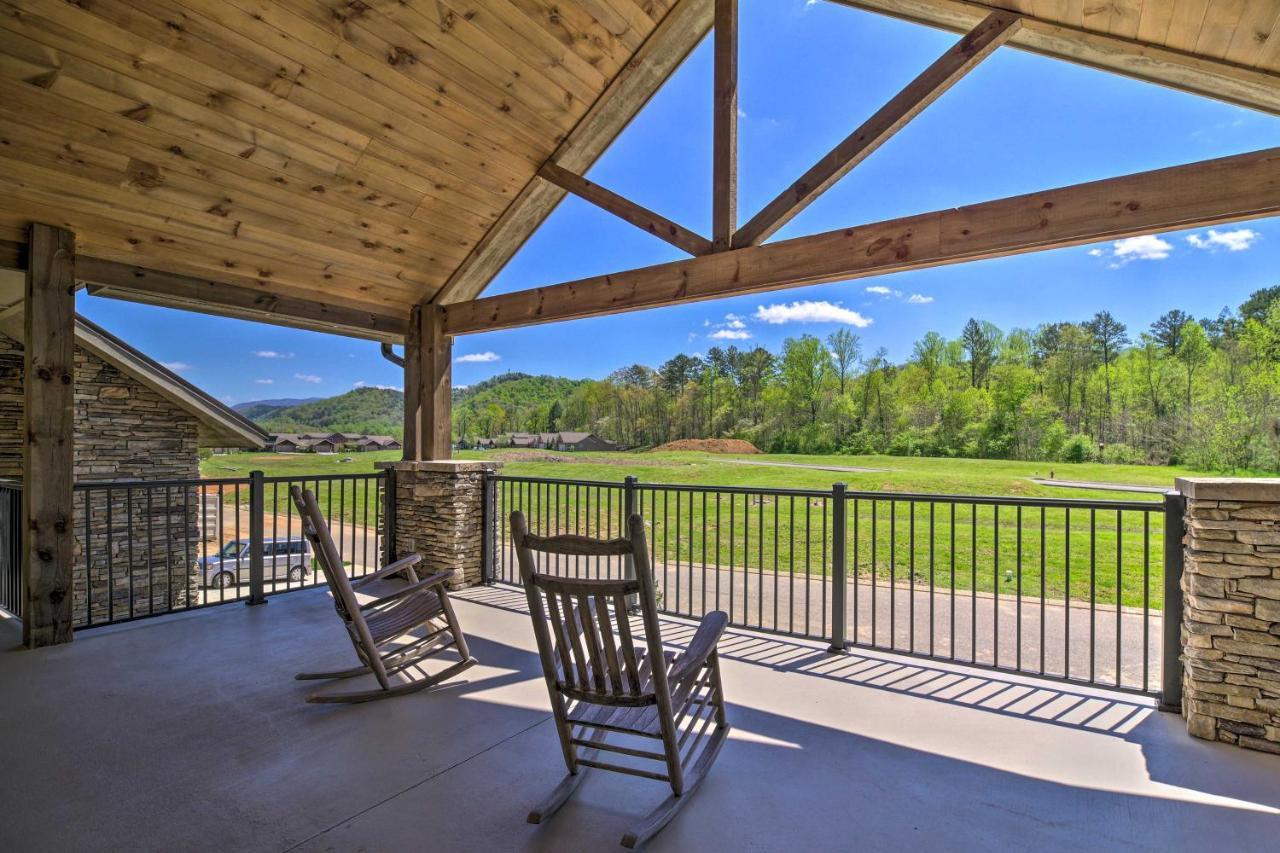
(592,651)
(316,531)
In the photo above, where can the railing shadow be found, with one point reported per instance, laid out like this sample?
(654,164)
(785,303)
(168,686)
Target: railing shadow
(1030,698)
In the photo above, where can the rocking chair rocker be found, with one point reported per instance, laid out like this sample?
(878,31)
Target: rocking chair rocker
(374,627)
(602,682)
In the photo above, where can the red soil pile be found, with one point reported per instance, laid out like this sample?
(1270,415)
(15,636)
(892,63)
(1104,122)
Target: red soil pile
(710,445)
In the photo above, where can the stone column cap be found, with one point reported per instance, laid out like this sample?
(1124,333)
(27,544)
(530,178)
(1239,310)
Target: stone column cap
(1260,489)
(442,466)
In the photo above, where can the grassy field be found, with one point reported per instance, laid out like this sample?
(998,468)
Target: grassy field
(1107,555)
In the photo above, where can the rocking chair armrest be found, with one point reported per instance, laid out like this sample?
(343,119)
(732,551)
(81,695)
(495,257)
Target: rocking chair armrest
(389,569)
(700,647)
(426,583)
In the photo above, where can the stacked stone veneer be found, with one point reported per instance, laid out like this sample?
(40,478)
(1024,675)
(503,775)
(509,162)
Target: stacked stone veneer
(439,513)
(124,431)
(1231,612)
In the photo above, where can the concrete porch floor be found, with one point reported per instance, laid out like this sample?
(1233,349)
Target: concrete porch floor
(189,733)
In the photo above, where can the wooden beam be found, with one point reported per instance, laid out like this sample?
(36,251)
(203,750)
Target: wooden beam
(435,397)
(680,30)
(412,385)
(945,72)
(641,217)
(48,545)
(1214,191)
(724,159)
(139,284)
(1131,57)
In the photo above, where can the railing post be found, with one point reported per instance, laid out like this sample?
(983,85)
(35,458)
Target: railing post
(839,572)
(1175,506)
(257,513)
(487,539)
(388,516)
(629,495)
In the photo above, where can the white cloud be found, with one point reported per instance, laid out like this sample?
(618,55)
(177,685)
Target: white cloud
(477,358)
(1232,241)
(362,384)
(1148,247)
(176,366)
(730,335)
(309,378)
(881,290)
(264,382)
(811,312)
(919,299)
(1097,253)
(270,353)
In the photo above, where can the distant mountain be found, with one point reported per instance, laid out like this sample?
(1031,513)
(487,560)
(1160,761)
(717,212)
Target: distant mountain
(377,411)
(504,403)
(255,409)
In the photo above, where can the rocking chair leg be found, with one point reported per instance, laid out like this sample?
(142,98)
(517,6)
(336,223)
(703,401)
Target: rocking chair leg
(392,690)
(558,797)
(341,673)
(662,815)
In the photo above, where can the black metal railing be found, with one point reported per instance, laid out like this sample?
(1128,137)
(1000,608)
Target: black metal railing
(151,547)
(1067,589)
(11,590)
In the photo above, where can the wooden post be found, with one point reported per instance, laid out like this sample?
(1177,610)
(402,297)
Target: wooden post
(412,384)
(724,167)
(435,394)
(47,452)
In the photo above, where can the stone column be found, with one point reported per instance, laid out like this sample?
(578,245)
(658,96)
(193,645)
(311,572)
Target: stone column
(1231,613)
(439,513)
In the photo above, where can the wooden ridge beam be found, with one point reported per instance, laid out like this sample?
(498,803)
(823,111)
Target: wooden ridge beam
(1209,192)
(945,72)
(724,146)
(627,210)
(1211,78)
(140,284)
(679,31)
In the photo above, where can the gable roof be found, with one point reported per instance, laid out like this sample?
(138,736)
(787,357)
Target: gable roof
(219,424)
(435,152)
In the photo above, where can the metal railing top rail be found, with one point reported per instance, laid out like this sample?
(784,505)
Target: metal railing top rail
(881,495)
(325,478)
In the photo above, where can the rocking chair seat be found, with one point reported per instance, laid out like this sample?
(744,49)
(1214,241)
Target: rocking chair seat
(403,616)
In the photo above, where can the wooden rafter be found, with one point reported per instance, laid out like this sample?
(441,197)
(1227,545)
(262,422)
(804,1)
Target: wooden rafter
(679,31)
(1139,55)
(724,160)
(945,72)
(1209,192)
(627,210)
(139,284)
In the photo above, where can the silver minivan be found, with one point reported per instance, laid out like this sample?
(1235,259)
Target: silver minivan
(282,559)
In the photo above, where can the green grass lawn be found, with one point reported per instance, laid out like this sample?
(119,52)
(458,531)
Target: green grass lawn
(1113,555)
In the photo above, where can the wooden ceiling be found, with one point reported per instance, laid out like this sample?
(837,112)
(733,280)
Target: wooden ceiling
(317,162)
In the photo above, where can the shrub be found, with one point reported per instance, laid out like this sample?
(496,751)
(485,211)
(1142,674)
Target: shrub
(1122,454)
(1079,448)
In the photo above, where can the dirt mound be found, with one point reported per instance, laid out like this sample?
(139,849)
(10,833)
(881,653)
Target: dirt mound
(711,445)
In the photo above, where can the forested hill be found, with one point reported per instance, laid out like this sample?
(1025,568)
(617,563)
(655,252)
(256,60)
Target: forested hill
(377,411)
(525,402)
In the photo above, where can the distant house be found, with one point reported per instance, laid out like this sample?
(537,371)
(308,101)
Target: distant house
(285,444)
(581,441)
(377,442)
(324,445)
(523,439)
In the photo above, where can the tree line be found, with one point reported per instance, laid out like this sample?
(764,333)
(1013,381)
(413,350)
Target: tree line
(1200,392)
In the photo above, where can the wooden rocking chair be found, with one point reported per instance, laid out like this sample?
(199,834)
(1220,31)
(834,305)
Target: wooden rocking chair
(602,682)
(374,627)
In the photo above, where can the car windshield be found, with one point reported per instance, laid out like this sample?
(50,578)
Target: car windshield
(231,549)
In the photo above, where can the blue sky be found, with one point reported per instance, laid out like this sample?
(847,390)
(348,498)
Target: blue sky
(810,72)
